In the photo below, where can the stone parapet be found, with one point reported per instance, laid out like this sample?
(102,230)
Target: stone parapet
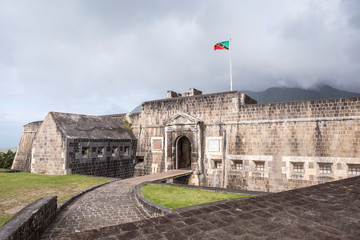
(31,221)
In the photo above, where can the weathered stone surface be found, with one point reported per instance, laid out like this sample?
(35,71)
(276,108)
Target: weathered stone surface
(227,139)
(307,219)
(238,144)
(22,158)
(31,221)
(105,206)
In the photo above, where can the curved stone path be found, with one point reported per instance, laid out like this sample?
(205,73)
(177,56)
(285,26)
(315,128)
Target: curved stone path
(109,205)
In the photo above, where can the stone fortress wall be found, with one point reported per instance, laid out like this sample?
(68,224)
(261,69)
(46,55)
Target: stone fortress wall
(227,139)
(23,154)
(239,144)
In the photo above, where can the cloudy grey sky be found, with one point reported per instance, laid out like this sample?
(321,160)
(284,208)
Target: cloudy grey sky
(103,57)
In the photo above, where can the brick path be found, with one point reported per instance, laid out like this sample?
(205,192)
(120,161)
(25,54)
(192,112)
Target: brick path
(326,211)
(111,204)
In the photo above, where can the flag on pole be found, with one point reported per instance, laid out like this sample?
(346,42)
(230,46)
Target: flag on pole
(225,46)
(222,46)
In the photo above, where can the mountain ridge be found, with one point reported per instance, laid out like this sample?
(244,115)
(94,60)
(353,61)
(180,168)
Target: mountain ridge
(286,94)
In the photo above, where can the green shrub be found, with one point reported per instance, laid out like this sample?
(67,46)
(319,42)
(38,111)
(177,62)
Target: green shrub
(6,159)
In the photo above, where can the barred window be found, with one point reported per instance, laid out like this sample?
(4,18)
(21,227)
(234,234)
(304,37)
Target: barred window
(354,169)
(238,165)
(218,164)
(298,167)
(325,168)
(260,166)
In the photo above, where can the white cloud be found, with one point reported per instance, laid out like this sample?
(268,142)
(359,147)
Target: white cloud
(96,57)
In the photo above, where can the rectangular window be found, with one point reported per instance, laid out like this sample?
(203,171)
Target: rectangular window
(260,166)
(100,151)
(354,169)
(85,151)
(114,151)
(325,168)
(126,151)
(238,165)
(218,164)
(140,159)
(121,148)
(298,167)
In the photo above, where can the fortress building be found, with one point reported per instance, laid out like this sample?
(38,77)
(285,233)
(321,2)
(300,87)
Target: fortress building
(226,139)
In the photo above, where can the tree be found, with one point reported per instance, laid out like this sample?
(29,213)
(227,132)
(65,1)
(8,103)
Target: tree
(6,159)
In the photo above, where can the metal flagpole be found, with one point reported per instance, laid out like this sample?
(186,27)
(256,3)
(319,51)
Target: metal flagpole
(230,65)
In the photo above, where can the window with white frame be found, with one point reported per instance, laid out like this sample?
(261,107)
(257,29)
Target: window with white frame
(354,169)
(298,167)
(260,166)
(325,168)
(237,164)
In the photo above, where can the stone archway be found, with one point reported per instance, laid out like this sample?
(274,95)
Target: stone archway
(183,153)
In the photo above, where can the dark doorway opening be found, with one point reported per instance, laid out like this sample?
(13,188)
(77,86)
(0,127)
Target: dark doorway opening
(183,153)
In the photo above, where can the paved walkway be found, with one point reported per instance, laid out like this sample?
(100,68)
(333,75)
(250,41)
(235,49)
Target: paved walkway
(325,211)
(111,204)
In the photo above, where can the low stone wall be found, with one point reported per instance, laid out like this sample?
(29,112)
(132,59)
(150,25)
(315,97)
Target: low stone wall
(156,210)
(153,209)
(31,221)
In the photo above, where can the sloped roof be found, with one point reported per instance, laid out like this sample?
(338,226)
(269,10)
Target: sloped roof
(91,127)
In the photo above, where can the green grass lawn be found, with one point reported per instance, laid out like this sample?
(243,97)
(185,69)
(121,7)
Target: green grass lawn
(20,189)
(3,169)
(178,197)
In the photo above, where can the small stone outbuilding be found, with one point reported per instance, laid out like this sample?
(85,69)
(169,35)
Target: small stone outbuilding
(71,143)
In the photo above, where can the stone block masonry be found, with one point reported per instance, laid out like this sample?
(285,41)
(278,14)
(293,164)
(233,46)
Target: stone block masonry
(101,157)
(31,221)
(48,149)
(236,143)
(226,139)
(22,158)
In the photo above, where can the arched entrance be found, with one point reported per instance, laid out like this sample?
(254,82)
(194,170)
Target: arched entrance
(183,153)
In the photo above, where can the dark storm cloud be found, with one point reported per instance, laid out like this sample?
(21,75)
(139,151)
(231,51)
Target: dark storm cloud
(100,57)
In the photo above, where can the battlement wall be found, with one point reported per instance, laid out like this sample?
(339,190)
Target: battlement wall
(208,107)
(233,107)
(327,108)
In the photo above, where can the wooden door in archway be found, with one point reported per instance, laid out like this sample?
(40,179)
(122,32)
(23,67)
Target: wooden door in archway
(183,153)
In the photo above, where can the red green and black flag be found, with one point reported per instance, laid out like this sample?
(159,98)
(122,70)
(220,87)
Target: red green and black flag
(222,46)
